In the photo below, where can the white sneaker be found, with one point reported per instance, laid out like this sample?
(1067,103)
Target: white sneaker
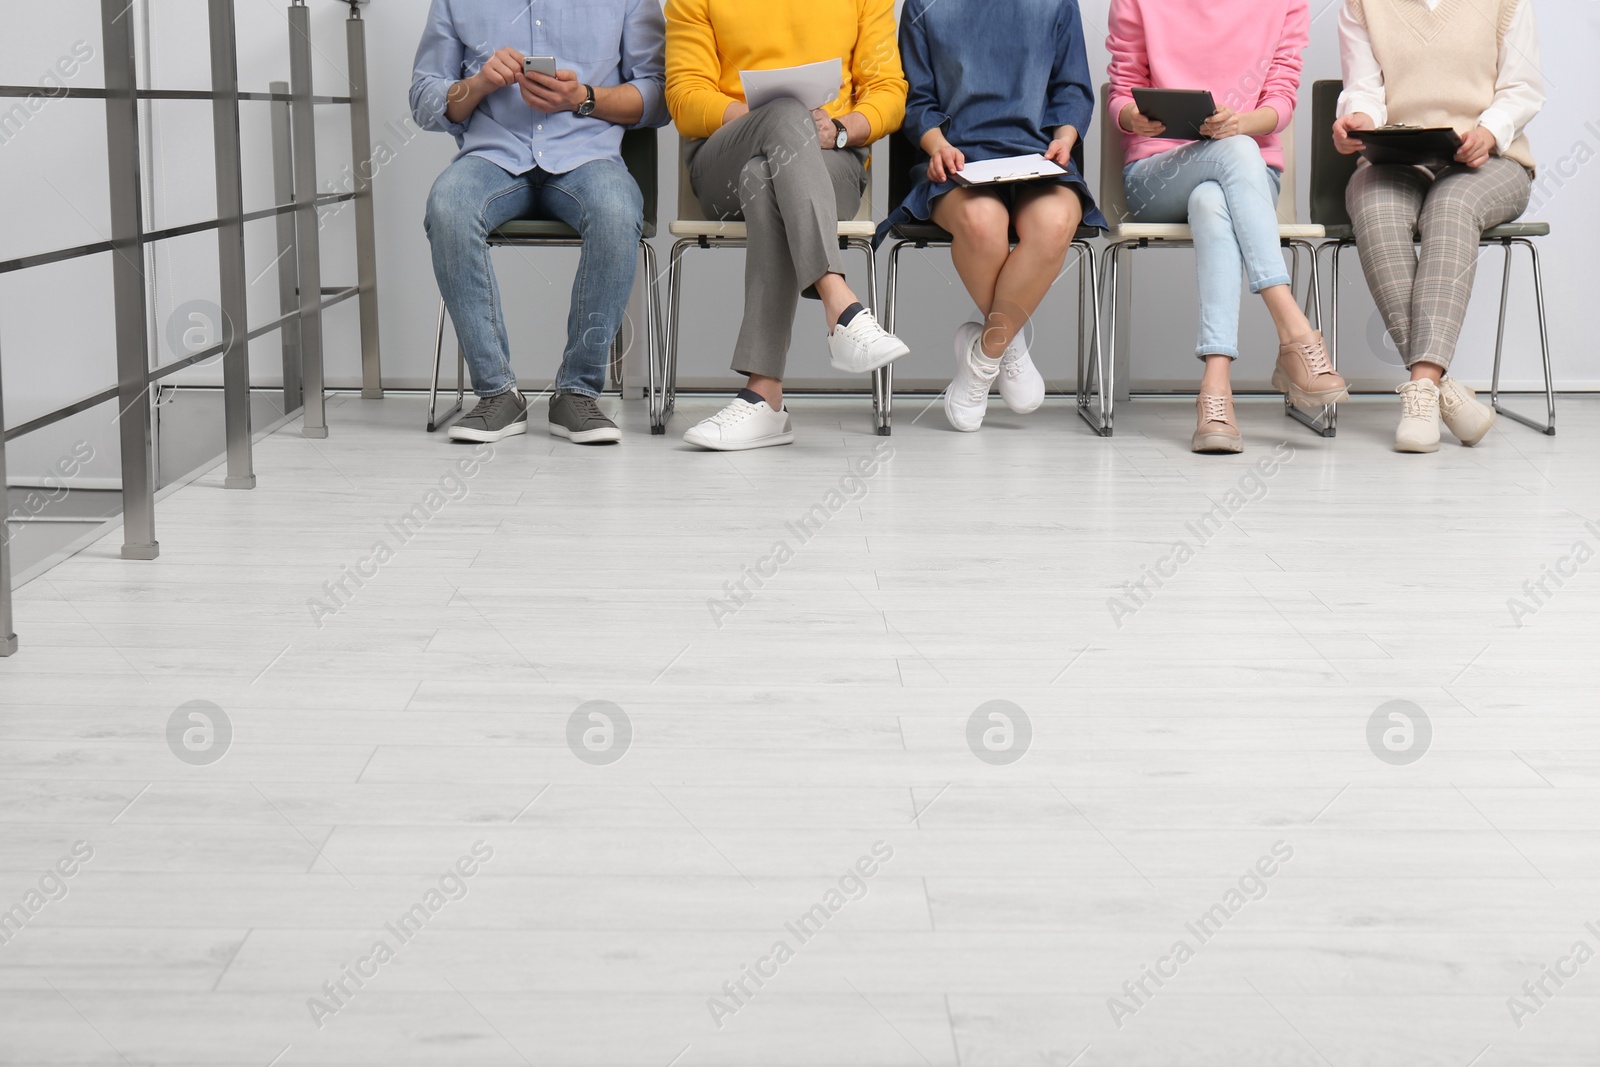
(1468,417)
(740,426)
(967,398)
(1419,418)
(1021,384)
(864,346)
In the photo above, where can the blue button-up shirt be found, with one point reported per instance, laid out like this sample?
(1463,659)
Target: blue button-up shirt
(607,42)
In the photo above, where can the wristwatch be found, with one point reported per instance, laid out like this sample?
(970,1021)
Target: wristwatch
(841,139)
(586,108)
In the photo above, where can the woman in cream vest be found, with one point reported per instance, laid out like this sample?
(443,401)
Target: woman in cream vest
(1468,64)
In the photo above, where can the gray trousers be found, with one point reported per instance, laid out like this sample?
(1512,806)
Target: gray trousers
(769,170)
(1423,294)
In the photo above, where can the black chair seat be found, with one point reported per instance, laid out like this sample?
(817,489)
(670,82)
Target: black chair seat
(927,231)
(543,230)
(1494,233)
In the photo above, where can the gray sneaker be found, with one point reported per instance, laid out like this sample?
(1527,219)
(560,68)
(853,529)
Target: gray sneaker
(494,419)
(579,419)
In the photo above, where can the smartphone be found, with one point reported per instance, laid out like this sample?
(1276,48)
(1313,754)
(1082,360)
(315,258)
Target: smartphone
(545,65)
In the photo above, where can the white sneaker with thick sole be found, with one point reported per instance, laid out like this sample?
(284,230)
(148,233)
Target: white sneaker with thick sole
(1021,384)
(741,426)
(967,399)
(1419,417)
(1469,418)
(864,346)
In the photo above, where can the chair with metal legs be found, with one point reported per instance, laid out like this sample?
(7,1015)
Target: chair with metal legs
(1331,173)
(1097,400)
(639,153)
(694,230)
(919,235)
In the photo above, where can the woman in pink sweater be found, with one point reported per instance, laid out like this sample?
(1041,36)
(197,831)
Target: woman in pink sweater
(1247,53)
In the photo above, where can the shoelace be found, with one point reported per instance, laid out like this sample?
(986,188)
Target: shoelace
(734,414)
(588,410)
(1450,400)
(1215,408)
(489,407)
(866,328)
(1416,404)
(1316,357)
(1011,363)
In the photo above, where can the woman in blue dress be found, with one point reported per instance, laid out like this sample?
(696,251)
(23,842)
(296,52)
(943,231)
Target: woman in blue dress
(987,87)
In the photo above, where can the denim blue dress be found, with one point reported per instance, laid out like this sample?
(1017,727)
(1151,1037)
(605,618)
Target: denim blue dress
(999,77)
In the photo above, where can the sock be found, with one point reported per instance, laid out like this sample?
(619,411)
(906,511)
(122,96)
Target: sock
(982,361)
(750,396)
(850,313)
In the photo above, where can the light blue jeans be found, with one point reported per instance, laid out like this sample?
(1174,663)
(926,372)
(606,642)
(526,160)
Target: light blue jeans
(1228,195)
(600,200)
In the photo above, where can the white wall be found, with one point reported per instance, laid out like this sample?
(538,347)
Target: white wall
(55,328)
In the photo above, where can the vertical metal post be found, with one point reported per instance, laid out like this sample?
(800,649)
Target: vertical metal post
(8,634)
(314,422)
(128,284)
(288,266)
(230,245)
(366,226)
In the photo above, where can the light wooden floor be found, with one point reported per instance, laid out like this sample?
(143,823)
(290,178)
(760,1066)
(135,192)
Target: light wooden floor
(1228,714)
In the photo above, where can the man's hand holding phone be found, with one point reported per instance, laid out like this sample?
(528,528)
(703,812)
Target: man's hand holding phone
(558,90)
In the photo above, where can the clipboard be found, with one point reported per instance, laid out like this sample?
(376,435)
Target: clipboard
(1026,168)
(1182,111)
(1409,146)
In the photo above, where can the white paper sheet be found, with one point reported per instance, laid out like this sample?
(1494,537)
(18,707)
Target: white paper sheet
(814,84)
(1009,169)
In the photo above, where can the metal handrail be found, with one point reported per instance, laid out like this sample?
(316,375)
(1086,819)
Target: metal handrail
(304,297)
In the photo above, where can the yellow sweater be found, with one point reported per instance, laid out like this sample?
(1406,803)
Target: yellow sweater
(710,41)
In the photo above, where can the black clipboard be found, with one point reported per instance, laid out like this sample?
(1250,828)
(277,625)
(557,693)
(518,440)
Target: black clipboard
(1409,146)
(1181,111)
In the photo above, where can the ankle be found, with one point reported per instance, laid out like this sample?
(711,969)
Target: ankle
(768,389)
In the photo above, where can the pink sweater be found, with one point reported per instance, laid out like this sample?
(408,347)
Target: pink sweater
(1247,52)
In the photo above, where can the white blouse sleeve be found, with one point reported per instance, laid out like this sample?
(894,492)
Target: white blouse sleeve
(1519,92)
(1363,78)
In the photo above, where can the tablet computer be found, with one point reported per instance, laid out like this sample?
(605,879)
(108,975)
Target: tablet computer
(1182,111)
(1409,146)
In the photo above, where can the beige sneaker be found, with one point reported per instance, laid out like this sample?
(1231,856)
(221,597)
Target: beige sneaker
(1419,418)
(1304,374)
(1216,430)
(1468,417)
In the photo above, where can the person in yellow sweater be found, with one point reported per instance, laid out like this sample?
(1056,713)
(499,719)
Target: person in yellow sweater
(789,173)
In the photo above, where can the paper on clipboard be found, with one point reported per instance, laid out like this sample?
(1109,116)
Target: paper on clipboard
(814,84)
(1009,169)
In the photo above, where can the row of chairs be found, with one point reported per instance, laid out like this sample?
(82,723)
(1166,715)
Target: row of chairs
(1329,230)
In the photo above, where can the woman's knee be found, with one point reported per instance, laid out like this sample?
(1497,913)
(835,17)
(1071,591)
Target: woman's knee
(1209,205)
(1240,150)
(1051,221)
(979,220)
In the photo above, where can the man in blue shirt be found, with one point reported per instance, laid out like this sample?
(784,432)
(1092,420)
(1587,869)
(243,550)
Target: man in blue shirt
(538,146)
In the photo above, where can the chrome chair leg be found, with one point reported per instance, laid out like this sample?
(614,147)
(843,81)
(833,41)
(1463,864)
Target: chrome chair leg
(1325,423)
(883,377)
(1102,421)
(669,366)
(652,330)
(435,420)
(1548,428)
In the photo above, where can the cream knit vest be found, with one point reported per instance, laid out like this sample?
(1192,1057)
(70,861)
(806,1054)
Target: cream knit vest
(1440,67)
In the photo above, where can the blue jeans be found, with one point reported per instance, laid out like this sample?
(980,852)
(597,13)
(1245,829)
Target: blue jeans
(1228,195)
(600,200)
